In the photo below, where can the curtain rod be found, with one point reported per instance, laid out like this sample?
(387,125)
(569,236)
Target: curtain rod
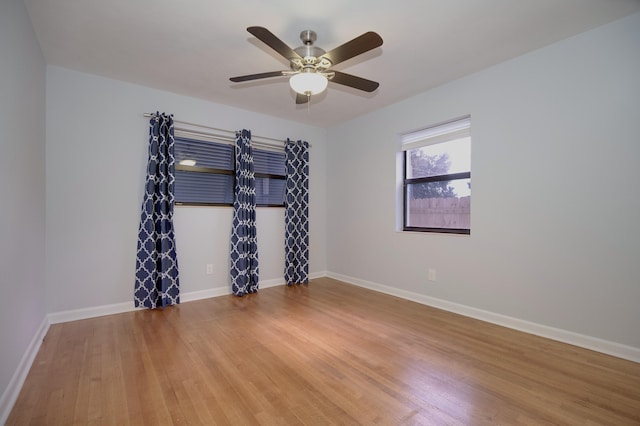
(232,132)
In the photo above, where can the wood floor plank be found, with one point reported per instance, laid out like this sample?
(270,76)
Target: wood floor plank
(319,354)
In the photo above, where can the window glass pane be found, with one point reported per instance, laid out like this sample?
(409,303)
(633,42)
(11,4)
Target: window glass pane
(214,187)
(442,204)
(205,154)
(439,159)
(270,191)
(269,162)
(193,187)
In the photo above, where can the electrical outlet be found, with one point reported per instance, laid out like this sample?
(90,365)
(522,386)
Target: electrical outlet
(209,268)
(432,274)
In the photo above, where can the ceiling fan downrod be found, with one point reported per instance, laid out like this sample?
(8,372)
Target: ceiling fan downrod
(308,52)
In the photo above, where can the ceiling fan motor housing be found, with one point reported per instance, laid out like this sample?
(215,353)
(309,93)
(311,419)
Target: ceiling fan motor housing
(311,55)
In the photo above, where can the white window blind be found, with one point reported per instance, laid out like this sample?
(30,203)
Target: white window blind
(443,132)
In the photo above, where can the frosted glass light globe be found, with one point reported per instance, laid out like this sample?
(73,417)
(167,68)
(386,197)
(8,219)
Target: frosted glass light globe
(308,83)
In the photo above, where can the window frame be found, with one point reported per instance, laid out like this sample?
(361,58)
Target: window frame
(406,182)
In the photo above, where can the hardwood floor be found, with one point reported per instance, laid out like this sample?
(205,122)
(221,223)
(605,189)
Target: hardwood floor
(326,353)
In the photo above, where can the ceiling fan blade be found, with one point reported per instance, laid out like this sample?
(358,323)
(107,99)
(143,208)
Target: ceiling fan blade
(355,47)
(355,82)
(256,76)
(268,38)
(301,99)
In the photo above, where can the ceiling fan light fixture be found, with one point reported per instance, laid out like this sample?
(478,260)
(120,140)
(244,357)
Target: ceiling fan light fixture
(308,83)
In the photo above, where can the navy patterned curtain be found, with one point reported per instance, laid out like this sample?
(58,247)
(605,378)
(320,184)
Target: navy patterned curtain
(296,268)
(244,244)
(157,283)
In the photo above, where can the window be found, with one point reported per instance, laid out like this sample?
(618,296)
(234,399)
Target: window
(436,181)
(270,170)
(205,174)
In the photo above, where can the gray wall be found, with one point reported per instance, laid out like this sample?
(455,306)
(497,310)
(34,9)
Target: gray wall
(555,208)
(97,142)
(22,191)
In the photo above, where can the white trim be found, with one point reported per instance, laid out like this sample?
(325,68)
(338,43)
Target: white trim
(118,308)
(204,294)
(453,129)
(96,311)
(272,283)
(593,343)
(223,291)
(12,391)
(315,275)
(447,137)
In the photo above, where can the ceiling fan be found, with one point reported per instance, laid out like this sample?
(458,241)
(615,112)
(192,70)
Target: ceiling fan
(311,66)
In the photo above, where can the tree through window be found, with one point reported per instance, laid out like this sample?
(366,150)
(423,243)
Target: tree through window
(429,165)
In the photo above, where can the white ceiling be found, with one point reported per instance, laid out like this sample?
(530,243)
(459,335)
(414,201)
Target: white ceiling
(192,47)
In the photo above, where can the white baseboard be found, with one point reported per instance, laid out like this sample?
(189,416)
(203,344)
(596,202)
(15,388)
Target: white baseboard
(314,275)
(204,294)
(223,291)
(272,283)
(593,343)
(611,348)
(10,394)
(96,311)
(117,308)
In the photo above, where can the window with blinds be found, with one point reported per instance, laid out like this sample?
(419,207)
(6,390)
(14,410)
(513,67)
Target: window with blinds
(270,171)
(437,178)
(205,174)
